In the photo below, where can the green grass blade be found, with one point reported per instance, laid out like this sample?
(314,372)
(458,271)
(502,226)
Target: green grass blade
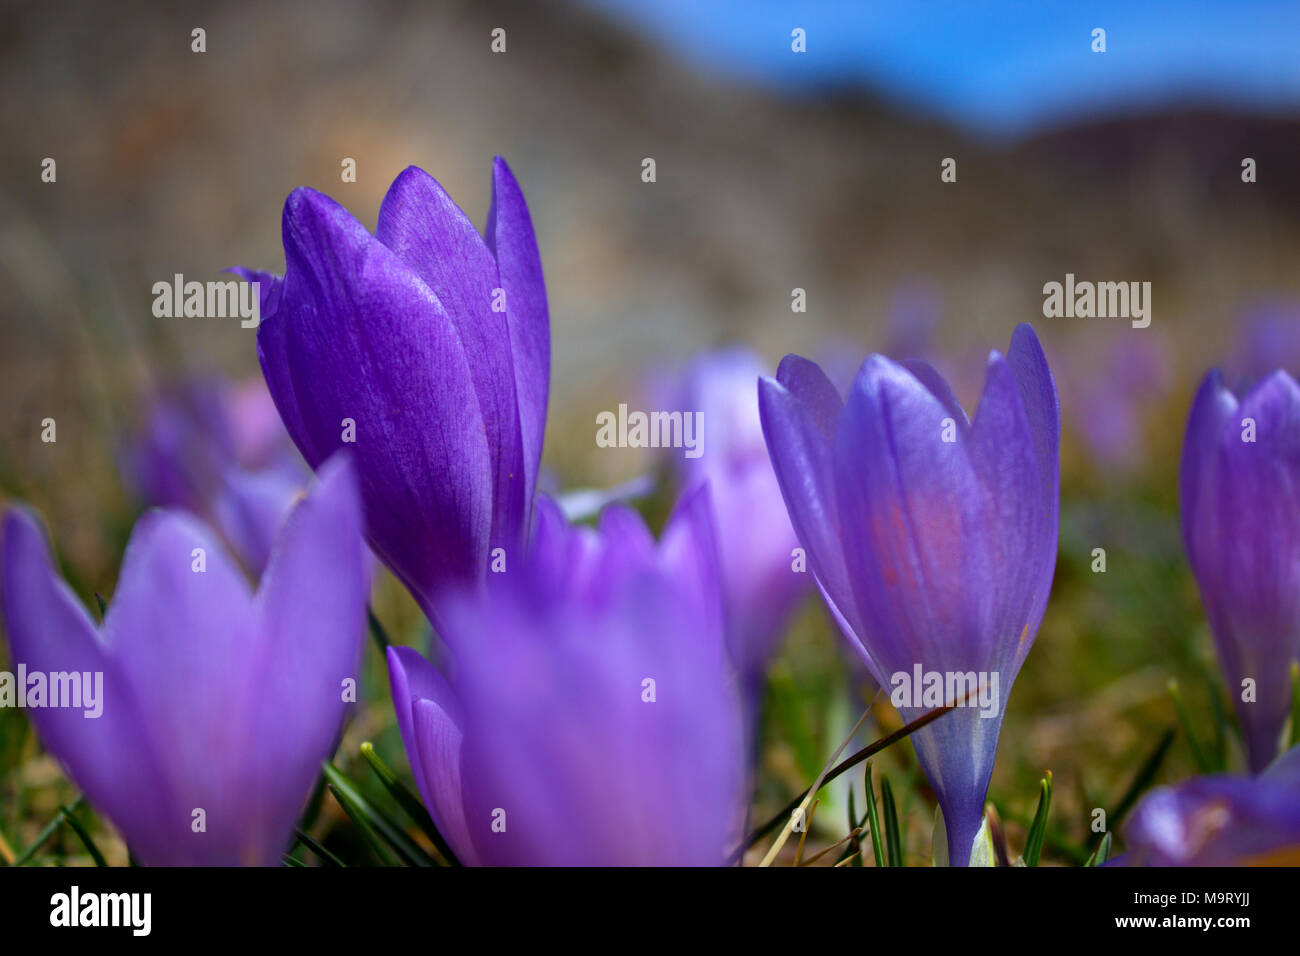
(408,802)
(368,834)
(49,831)
(892,839)
(359,808)
(325,855)
(377,632)
(873,819)
(1102,853)
(853,850)
(1037,830)
(842,767)
(83,836)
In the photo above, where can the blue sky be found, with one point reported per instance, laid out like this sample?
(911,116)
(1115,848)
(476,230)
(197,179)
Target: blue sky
(997,67)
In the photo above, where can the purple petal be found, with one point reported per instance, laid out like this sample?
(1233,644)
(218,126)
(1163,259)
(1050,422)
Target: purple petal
(626,545)
(557,729)
(690,553)
(510,236)
(1043,407)
(905,496)
(1022,523)
(799,413)
(927,375)
(359,336)
(429,718)
(269,287)
(49,631)
(1241,516)
(1212,410)
(564,558)
(1216,821)
(311,611)
(439,741)
(755,556)
(906,499)
(431,234)
(251,506)
(183,641)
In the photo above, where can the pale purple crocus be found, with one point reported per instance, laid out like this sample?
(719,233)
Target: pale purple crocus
(1110,394)
(764,576)
(591,716)
(933,538)
(1240,503)
(216,704)
(1220,821)
(426,349)
(218,450)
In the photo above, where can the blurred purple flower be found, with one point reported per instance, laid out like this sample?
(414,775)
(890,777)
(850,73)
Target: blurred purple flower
(1240,501)
(1108,396)
(912,321)
(212,698)
(427,345)
(219,451)
(930,552)
(1220,821)
(755,541)
(592,717)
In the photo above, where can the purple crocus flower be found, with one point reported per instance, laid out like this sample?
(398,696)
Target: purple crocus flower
(933,538)
(216,705)
(1111,392)
(218,450)
(1240,502)
(592,717)
(1220,821)
(425,347)
(756,544)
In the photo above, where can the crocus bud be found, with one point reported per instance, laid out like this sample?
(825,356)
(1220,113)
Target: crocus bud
(216,705)
(424,348)
(1240,502)
(933,539)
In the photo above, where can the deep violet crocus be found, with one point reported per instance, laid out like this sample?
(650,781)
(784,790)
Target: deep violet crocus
(932,537)
(218,705)
(1240,502)
(425,347)
(763,580)
(1220,821)
(591,716)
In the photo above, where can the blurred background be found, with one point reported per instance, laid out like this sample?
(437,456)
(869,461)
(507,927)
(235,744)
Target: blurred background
(775,170)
